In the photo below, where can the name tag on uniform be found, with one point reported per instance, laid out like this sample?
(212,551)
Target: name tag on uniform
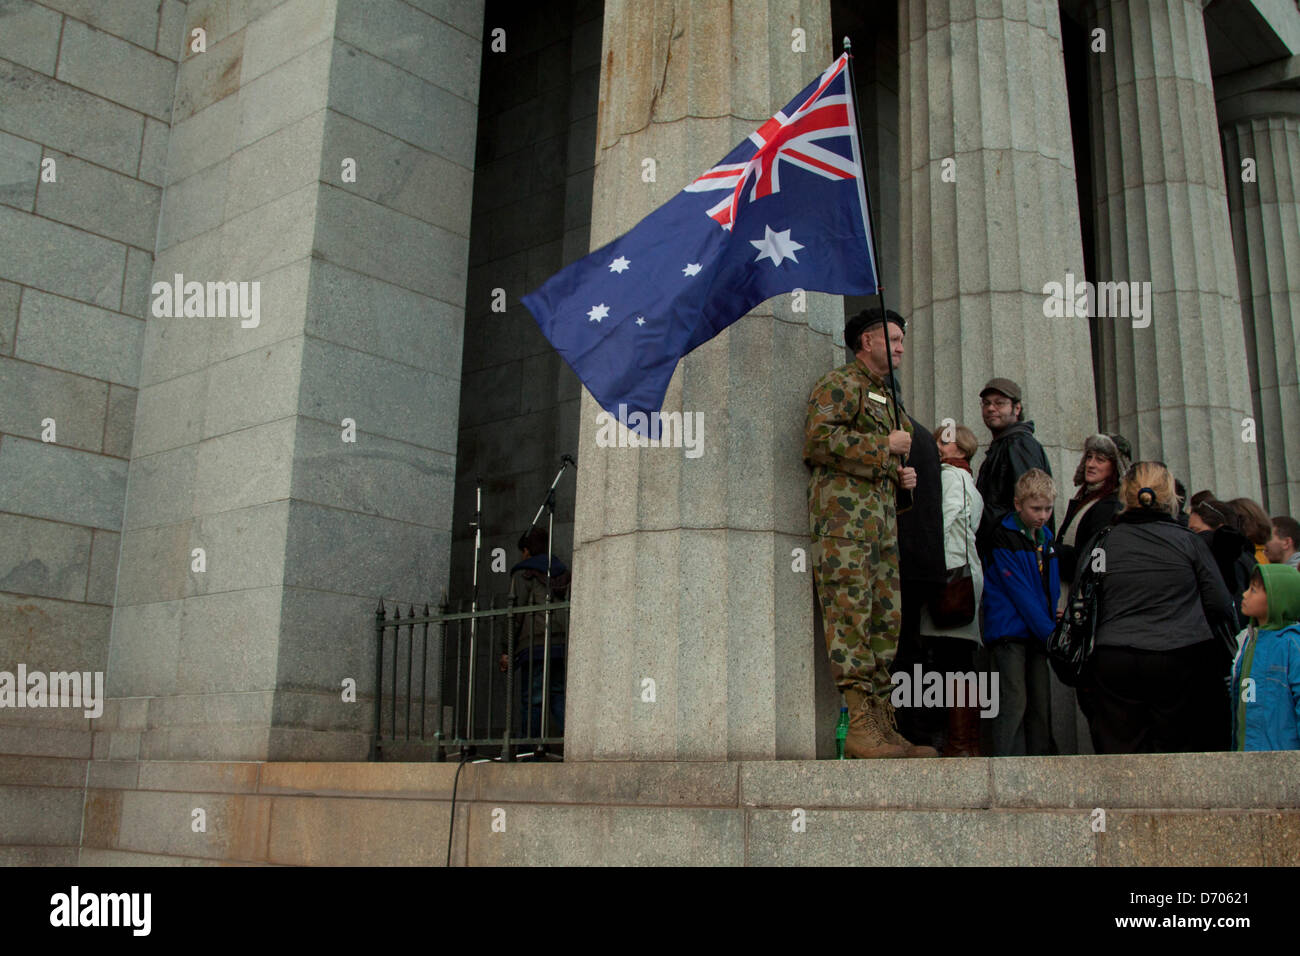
(877,398)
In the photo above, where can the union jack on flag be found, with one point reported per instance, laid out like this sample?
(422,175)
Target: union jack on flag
(825,114)
(793,215)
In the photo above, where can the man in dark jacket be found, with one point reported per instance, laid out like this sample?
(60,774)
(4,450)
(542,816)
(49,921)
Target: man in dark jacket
(921,572)
(1013,452)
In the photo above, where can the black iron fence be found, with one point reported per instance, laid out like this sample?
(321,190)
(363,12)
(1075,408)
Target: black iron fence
(491,679)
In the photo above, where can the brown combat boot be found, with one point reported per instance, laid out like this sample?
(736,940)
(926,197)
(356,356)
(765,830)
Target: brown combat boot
(867,729)
(894,737)
(963,732)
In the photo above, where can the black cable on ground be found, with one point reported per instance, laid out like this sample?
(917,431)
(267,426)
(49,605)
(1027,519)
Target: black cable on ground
(451,827)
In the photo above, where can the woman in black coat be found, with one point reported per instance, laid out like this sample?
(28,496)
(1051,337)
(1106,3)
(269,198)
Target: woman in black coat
(1093,506)
(1156,681)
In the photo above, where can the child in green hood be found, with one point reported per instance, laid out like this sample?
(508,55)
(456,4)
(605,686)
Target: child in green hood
(1266,673)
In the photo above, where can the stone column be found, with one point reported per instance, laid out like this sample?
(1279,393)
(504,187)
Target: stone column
(242,446)
(989,217)
(1264,127)
(1178,389)
(683,566)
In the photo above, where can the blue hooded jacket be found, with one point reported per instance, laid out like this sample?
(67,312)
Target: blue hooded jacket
(1019,602)
(1270,656)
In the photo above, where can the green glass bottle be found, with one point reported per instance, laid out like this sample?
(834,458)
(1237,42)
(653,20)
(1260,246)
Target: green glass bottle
(841,732)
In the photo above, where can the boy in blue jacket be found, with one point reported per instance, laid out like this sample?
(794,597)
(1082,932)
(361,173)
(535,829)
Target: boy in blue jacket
(1266,673)
(1021,586)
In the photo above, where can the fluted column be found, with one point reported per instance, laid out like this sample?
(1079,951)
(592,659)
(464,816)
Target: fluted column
(1178,388)
(989,217)
(682,565)
(1264,209)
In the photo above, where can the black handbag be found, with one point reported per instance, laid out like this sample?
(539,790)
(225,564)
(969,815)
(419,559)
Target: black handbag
(1071,645)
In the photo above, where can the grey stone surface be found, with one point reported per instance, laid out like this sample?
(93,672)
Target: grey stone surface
(247,467)
(192,206)
(464,15)
(134,20)
(1161,213)
(52,635)
(120,421)
(101,63)
(79,338)
(170,414)
(38,108)
(228,643)
(136,297)
(685,784)
(62,484)
(29,35)
(593,836)
(202,139)
(9,296)
(271,236)
(143,652)
(333,550)
(221,18)
(31,394)
(920,838)
(254,388)
(381,242)
(161,490)
(385,320)
(42,771)
(373,91)
(172,37)
(157,822)
(1264,217)
(282,33)
(20,169)
(244,546)
(285,94)
(311,620)
(343,832)
(374,475)
(43,558)
(102,579)
(102,202)
(404,36)
(155,565)
(397,175)
(275,165)
(340,383)
(867,784)
(40,816)
(284,313)
(60,259)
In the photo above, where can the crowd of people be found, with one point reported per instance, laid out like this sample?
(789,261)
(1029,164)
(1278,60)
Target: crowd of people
(1197,628)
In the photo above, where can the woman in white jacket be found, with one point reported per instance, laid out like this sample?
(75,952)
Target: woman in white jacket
(955,647)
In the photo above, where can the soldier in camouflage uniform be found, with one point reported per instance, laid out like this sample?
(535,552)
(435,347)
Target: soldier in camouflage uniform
(856,456)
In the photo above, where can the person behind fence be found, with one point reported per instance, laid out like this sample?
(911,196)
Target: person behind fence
(1266,673)
(1156,682)
(954,645)
(1021,587)
(1284,546)
(528,587)
(856,454)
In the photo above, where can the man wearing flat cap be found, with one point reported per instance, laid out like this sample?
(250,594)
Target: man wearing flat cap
(1013,451)
(857,456)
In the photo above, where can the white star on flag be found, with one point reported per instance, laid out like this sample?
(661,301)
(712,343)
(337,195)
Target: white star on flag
(777,246)
(640,320)
(619,265)
(598,312)
(691,269)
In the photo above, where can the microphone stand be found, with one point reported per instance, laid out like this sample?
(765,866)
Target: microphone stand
(548,506)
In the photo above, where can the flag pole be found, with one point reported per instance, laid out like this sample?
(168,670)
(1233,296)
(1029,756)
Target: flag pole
(904,497)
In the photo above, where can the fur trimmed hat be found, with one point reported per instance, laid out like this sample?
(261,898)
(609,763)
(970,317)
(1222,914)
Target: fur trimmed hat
(1105,446)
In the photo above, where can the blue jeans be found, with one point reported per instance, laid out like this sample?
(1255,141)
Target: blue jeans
(528,722)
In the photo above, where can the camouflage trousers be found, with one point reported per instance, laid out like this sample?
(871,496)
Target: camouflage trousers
(862,610)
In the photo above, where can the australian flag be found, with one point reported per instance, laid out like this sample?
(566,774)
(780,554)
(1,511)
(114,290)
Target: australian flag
(784,210)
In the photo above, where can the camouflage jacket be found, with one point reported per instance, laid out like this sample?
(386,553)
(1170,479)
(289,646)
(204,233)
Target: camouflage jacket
(846,443)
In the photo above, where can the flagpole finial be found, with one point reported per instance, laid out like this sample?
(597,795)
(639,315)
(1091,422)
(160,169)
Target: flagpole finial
(848,46)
